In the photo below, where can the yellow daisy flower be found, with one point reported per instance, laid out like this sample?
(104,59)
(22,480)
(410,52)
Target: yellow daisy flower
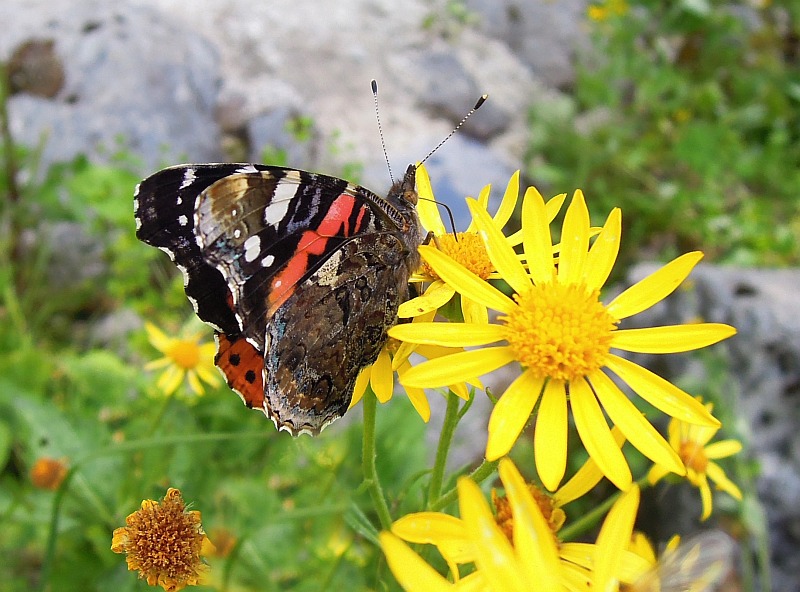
(448,533)
(500,564)
(184,357)
(394,358)
(557,328)
(465,247)
(164,543)
(691,442)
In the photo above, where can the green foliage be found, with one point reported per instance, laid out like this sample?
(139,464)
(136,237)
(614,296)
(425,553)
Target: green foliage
(685,115)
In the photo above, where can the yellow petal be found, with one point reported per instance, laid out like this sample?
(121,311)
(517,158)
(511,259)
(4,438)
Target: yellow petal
(170,380)
(634,425)
(550,437)
(596,436)
(553,206)
(604,251)
(157,337)
(208,375)
(613,540)
(430,528)
(457,367)
(536,239)
(511,413)
(382,377)
(465,281)
(585,478)
(654,288)
(194,383)
(574,241)
(656,474)
(494,555)
(437,295)
(448,334)
(723,449)
(534,542)
(361,385)
(427,208)
(500,252)
(671,339)
(474,312)
(413,574)
(509,202)
(661,393)
(721,481)
(706,497)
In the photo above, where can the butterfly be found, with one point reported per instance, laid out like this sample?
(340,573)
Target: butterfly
(300,275)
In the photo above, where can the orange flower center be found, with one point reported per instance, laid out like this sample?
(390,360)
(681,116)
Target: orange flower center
(185,353)
(560,331)
(693,456)
(505,519)
(466,248)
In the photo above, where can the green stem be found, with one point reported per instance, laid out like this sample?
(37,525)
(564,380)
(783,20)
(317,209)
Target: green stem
(368,454)
(590,519)
(484,471)
(442,450)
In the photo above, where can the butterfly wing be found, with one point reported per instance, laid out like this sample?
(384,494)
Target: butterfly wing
(297,271)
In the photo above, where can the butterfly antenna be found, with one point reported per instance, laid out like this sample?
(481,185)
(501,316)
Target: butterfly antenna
(380,127)
(477,106)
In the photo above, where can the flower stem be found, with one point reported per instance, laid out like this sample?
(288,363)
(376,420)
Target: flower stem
(371,481)
(588,520)
(479,475)
(442,450)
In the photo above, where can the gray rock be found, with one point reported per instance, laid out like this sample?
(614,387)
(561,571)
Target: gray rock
(133,79)
(545,35)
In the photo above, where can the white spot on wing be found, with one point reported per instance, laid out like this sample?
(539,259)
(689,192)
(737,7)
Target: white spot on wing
(179,201)
(252,248)
(136,191)
(237,233)
(188,178)
(275,212)
(268,261)
(248,168)
(183,220)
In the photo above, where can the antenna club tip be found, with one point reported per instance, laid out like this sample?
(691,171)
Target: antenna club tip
(374,84)
(481,101)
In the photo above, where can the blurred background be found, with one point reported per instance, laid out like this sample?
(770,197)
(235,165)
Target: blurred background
(684,113)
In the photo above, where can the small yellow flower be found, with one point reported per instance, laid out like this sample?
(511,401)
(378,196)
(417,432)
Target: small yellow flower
(394,358)
(691,442)
(465,247)
(557,328)
(164,543)
(184,357)
(604,10)
(48,473)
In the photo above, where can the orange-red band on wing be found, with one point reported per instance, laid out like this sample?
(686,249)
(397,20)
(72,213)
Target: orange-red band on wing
(314,242)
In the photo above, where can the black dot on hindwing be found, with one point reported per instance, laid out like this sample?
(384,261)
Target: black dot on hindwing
(234,359)
(250,376)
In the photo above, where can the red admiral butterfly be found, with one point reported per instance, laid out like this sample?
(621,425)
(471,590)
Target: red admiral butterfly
(300,274)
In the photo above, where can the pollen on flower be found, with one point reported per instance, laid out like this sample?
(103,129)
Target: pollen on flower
(559,331)
(185,353)
(466,248)
(693,456)
(504,517)
(164,543)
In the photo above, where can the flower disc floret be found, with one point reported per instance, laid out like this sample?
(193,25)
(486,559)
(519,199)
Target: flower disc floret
(559,331)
